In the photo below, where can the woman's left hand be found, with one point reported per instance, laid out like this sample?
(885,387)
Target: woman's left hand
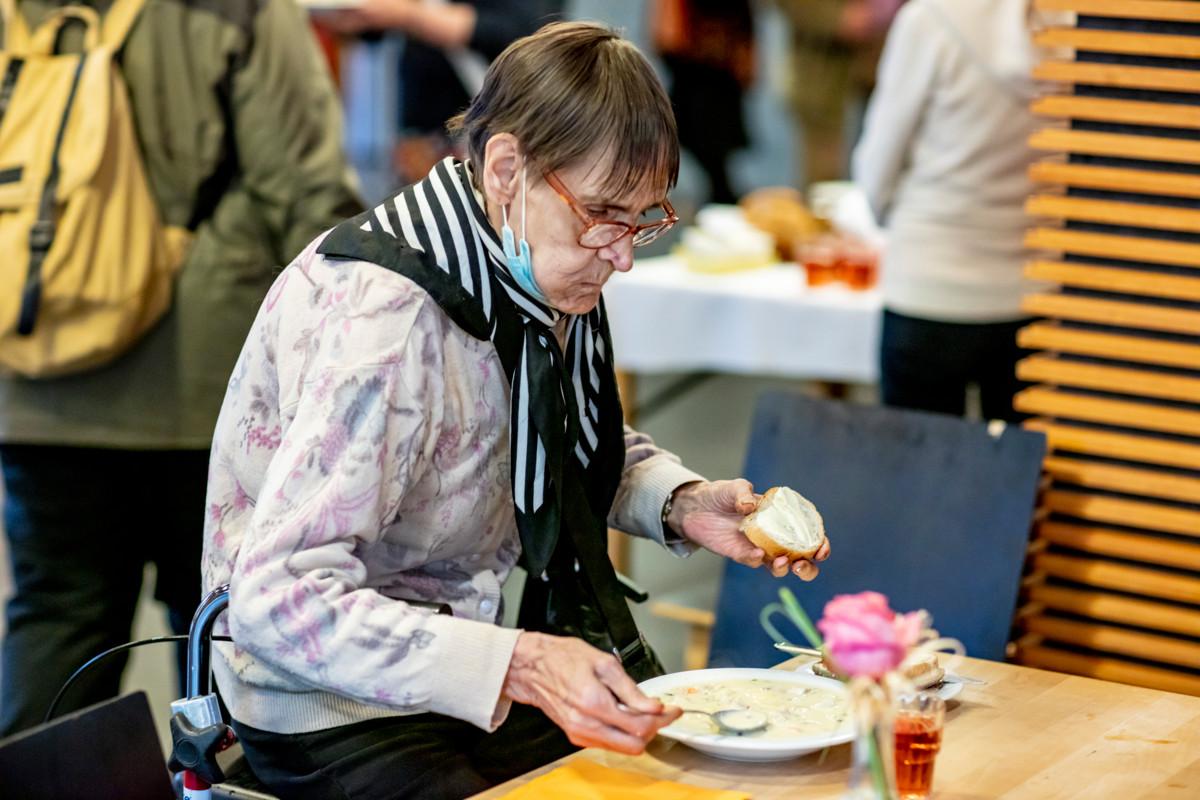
(710,514)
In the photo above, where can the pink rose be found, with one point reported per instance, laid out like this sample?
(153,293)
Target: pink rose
(864,637)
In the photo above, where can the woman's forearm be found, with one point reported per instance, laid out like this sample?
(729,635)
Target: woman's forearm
(447,25)
(442,25)
(649,476)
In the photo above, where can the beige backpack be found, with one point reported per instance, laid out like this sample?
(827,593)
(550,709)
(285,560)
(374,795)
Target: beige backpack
(88,265)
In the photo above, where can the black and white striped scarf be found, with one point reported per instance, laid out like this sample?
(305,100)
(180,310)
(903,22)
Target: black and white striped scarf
(563,408)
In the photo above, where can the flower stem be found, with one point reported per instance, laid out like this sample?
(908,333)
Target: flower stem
(796,611)
(878,773)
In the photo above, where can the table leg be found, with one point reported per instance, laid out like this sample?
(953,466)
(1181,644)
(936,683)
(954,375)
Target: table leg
(695,653)
(627,388)
(618,550)
(834,390)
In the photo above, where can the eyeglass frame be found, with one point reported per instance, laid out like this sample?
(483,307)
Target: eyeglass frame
(589,222)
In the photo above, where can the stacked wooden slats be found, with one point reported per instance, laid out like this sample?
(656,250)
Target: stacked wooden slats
(1114,584)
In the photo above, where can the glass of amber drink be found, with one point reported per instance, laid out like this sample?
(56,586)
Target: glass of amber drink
(919,720)
(820,260)
(857,266)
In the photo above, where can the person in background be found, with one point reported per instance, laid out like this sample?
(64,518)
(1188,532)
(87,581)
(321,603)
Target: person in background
(448,46)
(835,48)
(708,48)
(105,471)
(944,163)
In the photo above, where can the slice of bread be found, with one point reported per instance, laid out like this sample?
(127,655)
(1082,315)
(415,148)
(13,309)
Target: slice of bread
(785,524)
(924,674)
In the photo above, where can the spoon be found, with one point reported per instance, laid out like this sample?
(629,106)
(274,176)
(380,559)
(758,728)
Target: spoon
(798,651)
(734,721)
(951,678)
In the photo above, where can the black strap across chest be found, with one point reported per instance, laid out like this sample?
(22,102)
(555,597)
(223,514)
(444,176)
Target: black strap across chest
(573,588)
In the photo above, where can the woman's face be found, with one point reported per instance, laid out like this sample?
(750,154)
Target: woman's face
(569,275)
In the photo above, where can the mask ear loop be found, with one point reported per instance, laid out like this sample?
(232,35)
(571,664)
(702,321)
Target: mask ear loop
(523,196)
(504,208)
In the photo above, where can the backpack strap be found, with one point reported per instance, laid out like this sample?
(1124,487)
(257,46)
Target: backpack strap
(45,39)
(16,32)
(118,21)
(41,234)
(115,27)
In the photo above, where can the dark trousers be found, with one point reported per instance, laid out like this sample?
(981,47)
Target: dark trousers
(928,365)
(81,525)
(707,101)
(426,756)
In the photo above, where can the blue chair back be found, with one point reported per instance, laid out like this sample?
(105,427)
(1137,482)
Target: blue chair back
(931,510)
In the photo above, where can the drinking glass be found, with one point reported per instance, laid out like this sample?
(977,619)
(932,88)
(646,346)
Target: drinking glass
(820,261)
(857,266)
(918,727)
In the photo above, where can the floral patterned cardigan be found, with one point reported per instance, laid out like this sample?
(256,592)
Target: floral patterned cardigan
(361,460)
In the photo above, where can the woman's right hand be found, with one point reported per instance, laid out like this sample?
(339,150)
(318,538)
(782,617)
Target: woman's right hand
(585,692)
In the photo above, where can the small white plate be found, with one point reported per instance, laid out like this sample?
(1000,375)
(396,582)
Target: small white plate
(750,748)
(950,688)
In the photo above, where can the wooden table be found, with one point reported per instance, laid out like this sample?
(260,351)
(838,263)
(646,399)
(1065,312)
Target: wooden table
(1026,733)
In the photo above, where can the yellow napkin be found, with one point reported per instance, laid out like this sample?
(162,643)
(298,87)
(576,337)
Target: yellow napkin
(583,779)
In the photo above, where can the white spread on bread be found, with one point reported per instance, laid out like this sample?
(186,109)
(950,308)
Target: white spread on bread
(785,522)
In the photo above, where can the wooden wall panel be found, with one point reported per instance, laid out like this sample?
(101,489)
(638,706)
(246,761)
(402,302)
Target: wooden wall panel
(1113,585)
(1147,548)
(1117,608)
(1135,282)
(1121,478)
(1048,401)
(1071,437)
(1060,371)
(1122,77)
(1114,312)
(1104,574)
(1143,215)
(1165,10)
(1117,179)
(1103,344)
(1131,112)
(1127,43)
(1112,245)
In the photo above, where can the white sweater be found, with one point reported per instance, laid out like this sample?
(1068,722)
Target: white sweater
(944,158)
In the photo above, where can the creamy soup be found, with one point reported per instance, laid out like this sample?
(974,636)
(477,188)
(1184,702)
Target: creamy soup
(791,709)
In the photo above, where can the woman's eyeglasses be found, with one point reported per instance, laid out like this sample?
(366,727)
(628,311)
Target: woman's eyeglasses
(599,233)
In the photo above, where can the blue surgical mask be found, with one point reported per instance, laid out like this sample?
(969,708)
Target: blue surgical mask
(520,262)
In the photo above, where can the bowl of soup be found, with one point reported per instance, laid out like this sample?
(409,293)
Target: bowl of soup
(804,712)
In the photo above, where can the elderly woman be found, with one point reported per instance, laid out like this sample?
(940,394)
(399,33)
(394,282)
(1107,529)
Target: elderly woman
(426,399)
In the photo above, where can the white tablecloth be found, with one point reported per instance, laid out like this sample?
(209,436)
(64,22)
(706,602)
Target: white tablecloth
(665,318)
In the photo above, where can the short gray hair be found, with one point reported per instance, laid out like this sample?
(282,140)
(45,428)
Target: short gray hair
(575,89)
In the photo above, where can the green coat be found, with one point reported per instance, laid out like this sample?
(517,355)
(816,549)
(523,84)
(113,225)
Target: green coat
(826,72)
(240,126)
